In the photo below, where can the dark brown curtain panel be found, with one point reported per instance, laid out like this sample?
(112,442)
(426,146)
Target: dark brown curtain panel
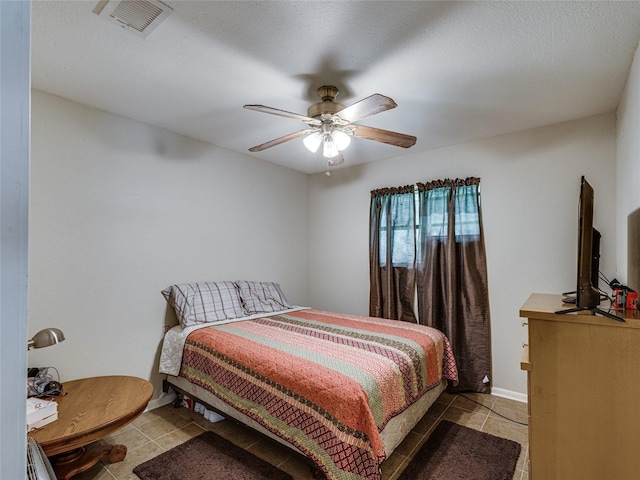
(452,285)
(392,254)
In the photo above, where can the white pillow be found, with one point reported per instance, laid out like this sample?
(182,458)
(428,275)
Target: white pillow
(262,297)
(204,302)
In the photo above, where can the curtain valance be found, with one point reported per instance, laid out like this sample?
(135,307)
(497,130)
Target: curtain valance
(448,182)
(392,191)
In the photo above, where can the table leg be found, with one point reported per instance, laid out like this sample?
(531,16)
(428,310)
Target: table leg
(68,464)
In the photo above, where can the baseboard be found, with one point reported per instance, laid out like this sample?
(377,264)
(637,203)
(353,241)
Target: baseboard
(517,396)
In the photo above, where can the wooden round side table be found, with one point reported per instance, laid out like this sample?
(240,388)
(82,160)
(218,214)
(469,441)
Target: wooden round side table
(90,409)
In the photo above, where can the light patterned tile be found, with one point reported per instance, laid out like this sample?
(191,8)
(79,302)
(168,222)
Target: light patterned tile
(511,409)
(146,417)
(206,424)
(437,409)
(168,414)
(507,429)
(191,415)
(161,425)
(132,476)
(522,461)
(390,468)
(446,398)
(134,458)
(411,442)
(270,451)
(126,428)
(219,427)
(297,467)
(240,435)
(425,424)
(179,436)
(97,472)
(475,402)
(131,438)
(466,418)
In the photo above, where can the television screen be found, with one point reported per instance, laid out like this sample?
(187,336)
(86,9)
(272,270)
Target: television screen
(587,291)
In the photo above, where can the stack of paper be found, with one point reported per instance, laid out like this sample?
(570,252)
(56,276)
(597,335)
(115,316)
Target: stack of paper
(40,412)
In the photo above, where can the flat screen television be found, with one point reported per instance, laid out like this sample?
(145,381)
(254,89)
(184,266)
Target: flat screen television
(587,293)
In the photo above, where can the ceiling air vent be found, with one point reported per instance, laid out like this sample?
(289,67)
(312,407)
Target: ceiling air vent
(138,16)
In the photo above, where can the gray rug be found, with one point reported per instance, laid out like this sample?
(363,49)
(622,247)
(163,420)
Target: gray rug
(208,457)
(455,452)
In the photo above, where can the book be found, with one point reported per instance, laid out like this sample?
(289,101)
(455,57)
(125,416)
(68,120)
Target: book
(42,422)
(39,409)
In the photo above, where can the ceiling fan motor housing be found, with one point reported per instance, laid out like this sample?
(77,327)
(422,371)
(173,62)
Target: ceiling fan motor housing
(324,108)
(328,106)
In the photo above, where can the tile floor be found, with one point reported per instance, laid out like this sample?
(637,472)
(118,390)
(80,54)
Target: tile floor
(161,429)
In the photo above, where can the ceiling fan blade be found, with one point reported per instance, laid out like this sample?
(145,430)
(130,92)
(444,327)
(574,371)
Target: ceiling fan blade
(366,107)
(384,136)
(282,113)
(278,141)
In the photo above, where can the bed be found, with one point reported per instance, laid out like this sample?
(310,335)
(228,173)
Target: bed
(343,390)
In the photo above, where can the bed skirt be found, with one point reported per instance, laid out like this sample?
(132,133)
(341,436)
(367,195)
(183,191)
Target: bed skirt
(392,435)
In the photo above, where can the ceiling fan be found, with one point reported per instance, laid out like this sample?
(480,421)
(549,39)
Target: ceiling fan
(330,124)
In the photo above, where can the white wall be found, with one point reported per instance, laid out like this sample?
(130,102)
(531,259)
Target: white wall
(120,209)
(628,164)
(530,187)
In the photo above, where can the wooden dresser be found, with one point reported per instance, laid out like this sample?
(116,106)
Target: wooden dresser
(584,392)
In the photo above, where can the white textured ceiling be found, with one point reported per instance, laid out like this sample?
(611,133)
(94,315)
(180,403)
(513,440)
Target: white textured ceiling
(458,71)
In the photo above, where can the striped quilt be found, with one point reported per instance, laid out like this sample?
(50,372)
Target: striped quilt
(327,383)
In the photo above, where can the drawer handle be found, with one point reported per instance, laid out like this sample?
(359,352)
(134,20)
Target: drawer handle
(524,324)
(525,345)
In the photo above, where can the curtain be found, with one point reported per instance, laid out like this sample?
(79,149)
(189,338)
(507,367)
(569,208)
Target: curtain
(452,285)
(392,253)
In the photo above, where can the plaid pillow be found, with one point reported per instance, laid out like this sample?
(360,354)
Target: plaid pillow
(262,297)
(204,302)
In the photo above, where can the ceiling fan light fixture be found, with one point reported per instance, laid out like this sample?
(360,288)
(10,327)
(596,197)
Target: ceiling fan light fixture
(329,147)
(312,141)
(341,139)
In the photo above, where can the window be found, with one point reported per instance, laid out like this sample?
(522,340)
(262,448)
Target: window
(434,218)
(397,228)
(435,212)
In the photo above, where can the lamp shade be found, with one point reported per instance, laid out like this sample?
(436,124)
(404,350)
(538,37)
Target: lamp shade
(341,139)
(312,141)
(329,148)
(46,337)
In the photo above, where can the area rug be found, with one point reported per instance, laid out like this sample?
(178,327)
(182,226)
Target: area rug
(208,457)
(455,452)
